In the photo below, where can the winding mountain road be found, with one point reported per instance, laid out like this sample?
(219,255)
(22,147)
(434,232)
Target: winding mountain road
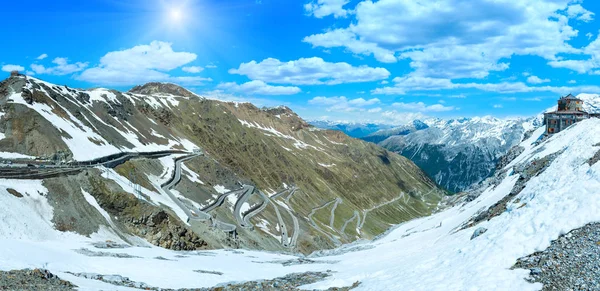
(296,233)
(287,198)
(195,215)
(25,169)
(221,199)
(29,169)
(332,217)
(319,229)
(256,209)
(237,209)
(282,227)
(355,216)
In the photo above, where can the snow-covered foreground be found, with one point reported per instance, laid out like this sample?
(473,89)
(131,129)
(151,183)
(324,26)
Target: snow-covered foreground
(423,254)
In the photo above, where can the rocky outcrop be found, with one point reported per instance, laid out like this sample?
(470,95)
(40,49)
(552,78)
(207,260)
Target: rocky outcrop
(479,231)
(290,282)
(36,279)
(570,263)
(164,88)
(145,220)
(526,171)
(506,159)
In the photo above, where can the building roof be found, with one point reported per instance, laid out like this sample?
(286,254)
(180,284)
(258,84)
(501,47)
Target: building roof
(567,112)
(570,97)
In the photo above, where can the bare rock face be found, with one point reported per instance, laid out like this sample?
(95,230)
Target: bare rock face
(569,263)
(157,88)
(147,221)
(286,114)
(36,279)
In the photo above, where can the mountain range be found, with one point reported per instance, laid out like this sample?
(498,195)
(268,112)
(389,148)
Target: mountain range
(459,153)
(531,225)
(161,165)
(353,129)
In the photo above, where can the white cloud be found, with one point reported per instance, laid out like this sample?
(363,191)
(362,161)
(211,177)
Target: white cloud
(374,115)
(42,56)
(533,99)
(589,35)
(580,66)
(578,12)
(157,55)
(589,65)
(322,8)
(193,69)
(363,102)
(422,107)
(414,83)
(228,97)
(259,87)
(456,38)
(395,117)
(10,68)
(211,66)
(62,67)
(572,82)
(536,80)
(309,71)
(141,64)
(498,106)
(343,104)
(352,42)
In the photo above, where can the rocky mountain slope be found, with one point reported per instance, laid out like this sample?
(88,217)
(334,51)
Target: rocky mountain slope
(531,226)
(161,165)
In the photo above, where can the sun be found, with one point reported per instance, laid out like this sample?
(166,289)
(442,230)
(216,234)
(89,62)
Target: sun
(176,14)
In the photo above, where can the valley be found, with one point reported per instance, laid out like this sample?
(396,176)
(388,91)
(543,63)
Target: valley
(417,245)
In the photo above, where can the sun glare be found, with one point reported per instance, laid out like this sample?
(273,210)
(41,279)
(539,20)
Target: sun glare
(176,14)
(177,18)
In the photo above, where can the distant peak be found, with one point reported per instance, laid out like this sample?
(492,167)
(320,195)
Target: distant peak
(153,88)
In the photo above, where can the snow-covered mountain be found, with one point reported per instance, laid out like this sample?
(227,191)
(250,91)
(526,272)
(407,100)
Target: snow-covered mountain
(456,153)
(353,129)
(407,129)
(480,241)
(462,152)
(160,165)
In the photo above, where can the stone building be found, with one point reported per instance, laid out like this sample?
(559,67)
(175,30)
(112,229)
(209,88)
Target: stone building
(569,112)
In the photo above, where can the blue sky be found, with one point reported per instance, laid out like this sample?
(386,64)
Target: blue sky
(386,61)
